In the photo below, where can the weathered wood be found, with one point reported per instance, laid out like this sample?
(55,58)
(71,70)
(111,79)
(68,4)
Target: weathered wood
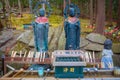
(100,75)
(25,60)
(5,37)
(51,78)
(4,40)
(10,37)
(20,71)
(9,73)
(8,44)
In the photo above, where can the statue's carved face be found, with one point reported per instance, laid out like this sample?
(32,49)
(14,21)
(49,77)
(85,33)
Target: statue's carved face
(42,12)
(71,12)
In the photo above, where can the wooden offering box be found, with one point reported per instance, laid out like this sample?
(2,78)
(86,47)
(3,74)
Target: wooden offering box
(68,63)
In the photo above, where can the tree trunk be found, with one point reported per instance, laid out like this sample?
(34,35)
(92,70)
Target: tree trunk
(82,11)
(30,6)
(91,12)
(94,10)
(3,3)
(100,21)
(4,12)
(7,5)
(118,20)
(69,1)
(20,8)
(110,12)
(64,4)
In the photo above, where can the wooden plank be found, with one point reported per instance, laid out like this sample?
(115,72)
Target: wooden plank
(52,72)
(29,56)
(6,75)
(40,56)
(20,60)
(52,78)
(91,76)
(37,56)
(20,71)
(9,44)
(4,41)
(5,37)
(9,78)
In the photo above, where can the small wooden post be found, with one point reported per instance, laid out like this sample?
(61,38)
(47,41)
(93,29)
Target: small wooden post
(3,65)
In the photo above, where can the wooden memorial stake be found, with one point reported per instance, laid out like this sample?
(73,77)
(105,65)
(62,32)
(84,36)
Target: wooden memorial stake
(93,58)
(86,56)
(90,57)
(43,56)
(13,55)
(30,56)
(37,55)
(24,56)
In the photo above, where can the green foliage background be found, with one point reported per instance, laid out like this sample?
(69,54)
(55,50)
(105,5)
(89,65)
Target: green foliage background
(0,5)
(57,6)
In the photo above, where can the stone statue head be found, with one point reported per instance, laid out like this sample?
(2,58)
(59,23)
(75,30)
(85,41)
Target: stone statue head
(42,12)
(72,5)
(108,44)
(71,12)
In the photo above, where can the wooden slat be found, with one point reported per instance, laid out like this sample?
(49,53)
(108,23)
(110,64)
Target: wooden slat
(52,78)
(37,56)
(103,74)
(20,60)
(9,73)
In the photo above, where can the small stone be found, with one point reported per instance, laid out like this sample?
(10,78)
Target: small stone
(25,37)
(97,38)
(116,48)
(94,47)
(83,42)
